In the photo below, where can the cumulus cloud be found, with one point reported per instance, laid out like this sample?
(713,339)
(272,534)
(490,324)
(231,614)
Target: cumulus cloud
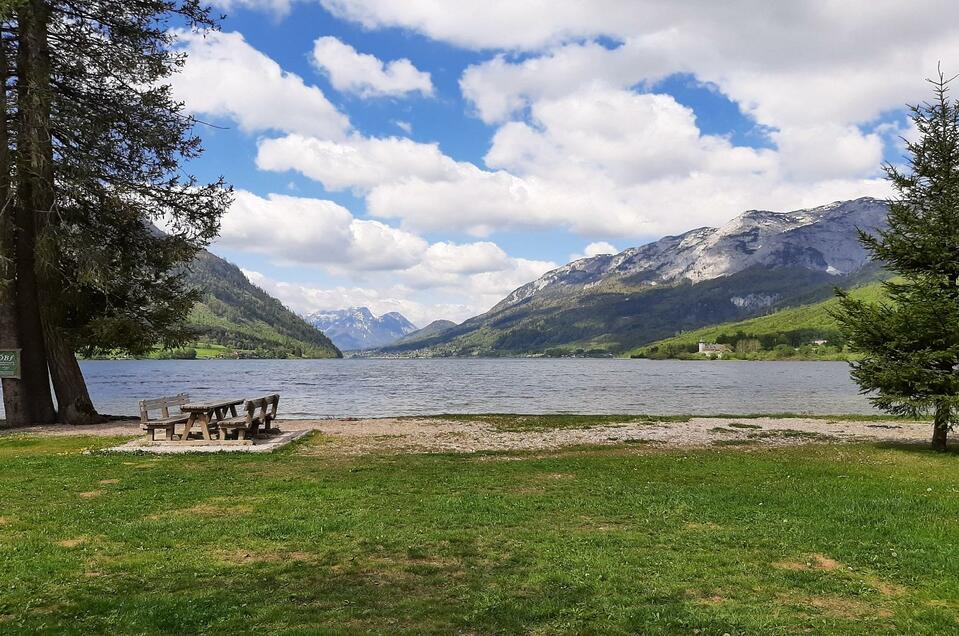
(364,74)
(277,7)
(305,230)
(595,249)
(357,162)
(390,269)
(483,24)
(226,77)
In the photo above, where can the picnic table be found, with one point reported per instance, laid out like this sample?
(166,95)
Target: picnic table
(206,413)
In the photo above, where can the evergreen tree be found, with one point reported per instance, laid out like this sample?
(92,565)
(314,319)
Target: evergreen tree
(910,344)
(97,155)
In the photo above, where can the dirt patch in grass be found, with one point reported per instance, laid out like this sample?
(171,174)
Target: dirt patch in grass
(845,608)
(90,494)
(702,527)
(241,556)
(107,482)
(74,542)
(814,562)
(6,521)
(215,507)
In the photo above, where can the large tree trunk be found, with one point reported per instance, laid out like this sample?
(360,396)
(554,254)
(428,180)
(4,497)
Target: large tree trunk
(73,399)
(941,427)
(31,18)
(15,404)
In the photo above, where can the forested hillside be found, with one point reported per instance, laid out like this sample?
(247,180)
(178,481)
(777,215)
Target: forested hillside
(788,333)
(242,318)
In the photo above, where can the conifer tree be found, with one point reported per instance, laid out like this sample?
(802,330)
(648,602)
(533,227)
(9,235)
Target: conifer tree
(96,155)
(910,343)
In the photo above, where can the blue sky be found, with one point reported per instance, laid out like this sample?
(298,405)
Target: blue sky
(428,160)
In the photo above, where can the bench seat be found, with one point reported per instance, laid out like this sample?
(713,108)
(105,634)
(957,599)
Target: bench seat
(176,419)
(166,421)
(260,413)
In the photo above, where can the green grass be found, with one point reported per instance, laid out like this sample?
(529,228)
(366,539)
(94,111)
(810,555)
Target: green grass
(824,539)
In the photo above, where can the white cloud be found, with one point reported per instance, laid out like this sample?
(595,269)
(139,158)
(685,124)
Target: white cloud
(277,7)
(496,23)
(357,162)
(387,269)
(630,138)
(364,74)
(595,249)
(224,76)
(304,230)
(850,152)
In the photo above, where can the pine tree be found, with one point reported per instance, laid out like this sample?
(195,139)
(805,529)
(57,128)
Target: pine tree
(97,156)
(910,343)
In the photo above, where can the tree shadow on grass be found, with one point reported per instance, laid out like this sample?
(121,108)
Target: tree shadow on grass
(923,448)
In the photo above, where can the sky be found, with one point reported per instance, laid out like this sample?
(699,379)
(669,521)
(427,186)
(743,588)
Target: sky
(429,157)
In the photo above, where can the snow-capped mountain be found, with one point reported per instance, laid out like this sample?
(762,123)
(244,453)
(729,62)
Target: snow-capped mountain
(820,239)
(358,328)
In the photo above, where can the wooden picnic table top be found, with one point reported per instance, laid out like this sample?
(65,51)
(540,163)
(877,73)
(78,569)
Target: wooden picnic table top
(205,407)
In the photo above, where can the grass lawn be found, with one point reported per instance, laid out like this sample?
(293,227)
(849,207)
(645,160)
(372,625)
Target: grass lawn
(826,539)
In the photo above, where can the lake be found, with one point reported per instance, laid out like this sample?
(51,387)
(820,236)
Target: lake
(370,388)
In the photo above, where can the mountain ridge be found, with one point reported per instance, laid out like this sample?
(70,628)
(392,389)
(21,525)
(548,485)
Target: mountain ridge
(757,262)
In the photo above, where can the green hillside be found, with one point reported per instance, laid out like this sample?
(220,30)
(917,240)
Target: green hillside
(237,318)
(787,333)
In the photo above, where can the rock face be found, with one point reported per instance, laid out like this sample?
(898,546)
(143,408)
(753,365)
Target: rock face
(357,328)
(819,239)
(757,263)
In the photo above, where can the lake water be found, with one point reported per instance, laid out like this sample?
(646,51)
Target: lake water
(367,388)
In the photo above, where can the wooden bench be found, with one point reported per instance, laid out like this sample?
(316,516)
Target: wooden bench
(260,413)
(167,422)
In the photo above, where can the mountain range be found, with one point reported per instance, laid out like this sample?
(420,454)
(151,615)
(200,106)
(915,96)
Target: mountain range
(357,328)
(755,264)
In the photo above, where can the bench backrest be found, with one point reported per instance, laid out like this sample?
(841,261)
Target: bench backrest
(267,405)
(163,404)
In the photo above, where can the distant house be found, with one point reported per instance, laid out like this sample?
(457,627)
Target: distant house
(712,349)
(819,343)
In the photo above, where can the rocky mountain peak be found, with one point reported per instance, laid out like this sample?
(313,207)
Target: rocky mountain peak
(821,238)
(357,328)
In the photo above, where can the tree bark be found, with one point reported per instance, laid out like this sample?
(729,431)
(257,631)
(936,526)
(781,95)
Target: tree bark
(73,399)
(36,377)
(75,406)
(940,429)
(15,404)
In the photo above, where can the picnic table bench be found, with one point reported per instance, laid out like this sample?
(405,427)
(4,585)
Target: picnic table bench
(208,418)
(166,422)
(206,414)
(259,412)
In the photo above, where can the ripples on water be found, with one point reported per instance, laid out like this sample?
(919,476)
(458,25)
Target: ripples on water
(369,388)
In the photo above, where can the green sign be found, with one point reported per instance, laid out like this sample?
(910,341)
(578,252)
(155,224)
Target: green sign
(9,363)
